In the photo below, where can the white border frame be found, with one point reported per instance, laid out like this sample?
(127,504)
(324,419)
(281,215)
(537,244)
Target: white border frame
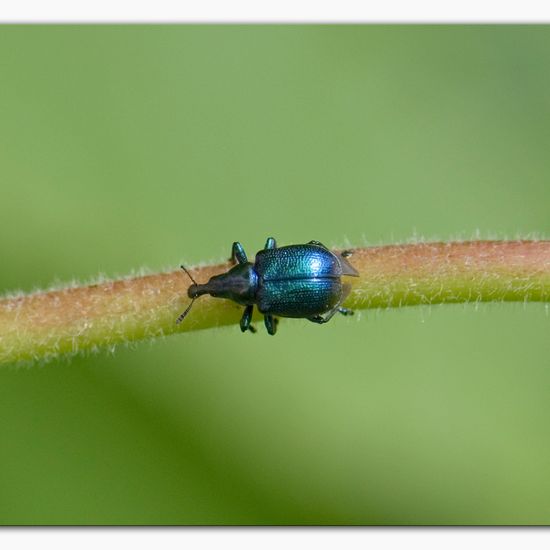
(271,11)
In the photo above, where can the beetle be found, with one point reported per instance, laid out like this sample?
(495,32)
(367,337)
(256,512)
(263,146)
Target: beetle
(299,280)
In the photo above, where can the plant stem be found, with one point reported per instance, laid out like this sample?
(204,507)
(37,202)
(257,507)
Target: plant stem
(45,324)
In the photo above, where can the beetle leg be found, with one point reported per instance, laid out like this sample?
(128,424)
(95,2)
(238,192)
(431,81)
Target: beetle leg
(238,255)
(319,319)
(318,244)
(271,324)
(246,318)
(270,243)
(346,289)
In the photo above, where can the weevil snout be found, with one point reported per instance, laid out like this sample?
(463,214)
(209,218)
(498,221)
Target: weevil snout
(192,291)
(195,290)
(216,286)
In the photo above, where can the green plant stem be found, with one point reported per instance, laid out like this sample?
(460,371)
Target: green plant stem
(45,324)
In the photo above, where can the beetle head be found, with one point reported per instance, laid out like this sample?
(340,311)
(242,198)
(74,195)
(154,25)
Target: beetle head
(238,284)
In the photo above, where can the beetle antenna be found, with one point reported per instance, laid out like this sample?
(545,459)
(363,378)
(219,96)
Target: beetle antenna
(190,276)
(184,314)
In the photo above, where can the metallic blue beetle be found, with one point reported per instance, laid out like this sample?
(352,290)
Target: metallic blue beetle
(301,280)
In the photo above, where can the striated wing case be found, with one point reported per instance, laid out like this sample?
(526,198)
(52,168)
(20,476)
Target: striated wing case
(300,261)
(299,297)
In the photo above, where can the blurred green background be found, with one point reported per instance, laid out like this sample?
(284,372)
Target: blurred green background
(123,147)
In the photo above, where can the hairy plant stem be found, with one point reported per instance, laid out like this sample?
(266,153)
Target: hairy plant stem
(45,324)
